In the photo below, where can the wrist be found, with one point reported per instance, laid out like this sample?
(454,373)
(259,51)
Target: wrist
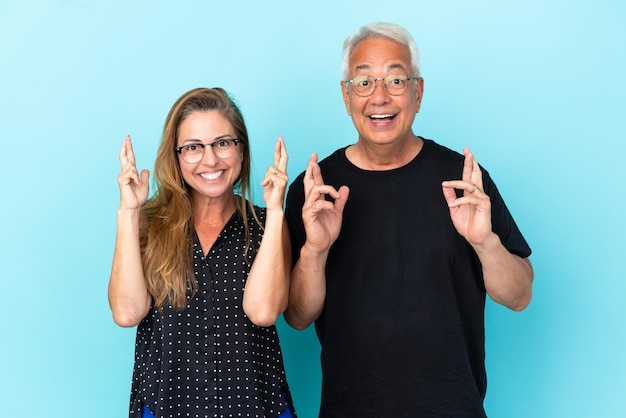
(128,213)
(313,252)
(488,245)
(274,212)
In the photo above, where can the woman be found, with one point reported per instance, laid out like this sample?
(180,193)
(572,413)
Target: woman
(202,271)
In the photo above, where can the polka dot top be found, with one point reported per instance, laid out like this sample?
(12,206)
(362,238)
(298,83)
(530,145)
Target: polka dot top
(210,360)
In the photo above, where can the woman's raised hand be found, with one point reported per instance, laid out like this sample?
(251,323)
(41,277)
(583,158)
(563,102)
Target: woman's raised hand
(134,186)
(276,179)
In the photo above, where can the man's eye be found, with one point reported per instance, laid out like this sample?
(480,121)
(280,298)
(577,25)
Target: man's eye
(360,82)
(397,81)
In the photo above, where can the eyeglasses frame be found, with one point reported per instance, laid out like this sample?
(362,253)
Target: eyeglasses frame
(351,81)
(179,150)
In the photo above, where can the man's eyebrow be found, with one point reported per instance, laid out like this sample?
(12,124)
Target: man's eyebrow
(396,66)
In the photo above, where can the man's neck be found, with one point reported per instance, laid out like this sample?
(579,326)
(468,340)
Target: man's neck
(382,157)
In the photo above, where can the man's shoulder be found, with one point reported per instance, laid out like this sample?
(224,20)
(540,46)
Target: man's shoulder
(436,150)
(334,158)
(326,163)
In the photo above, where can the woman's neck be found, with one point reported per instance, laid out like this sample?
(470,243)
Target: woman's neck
(213,213)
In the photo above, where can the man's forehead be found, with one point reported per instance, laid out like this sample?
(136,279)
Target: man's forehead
(391,66)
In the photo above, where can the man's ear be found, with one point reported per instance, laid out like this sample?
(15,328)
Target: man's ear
(419,92)
(346,96)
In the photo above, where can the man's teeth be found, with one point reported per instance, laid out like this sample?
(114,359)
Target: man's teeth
(381,116)
(212,176)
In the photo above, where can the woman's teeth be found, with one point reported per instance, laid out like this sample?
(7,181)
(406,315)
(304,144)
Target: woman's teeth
(212,176)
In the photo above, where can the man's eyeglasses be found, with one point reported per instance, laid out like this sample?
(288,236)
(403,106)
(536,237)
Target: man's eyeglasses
(193,153)
(394,84)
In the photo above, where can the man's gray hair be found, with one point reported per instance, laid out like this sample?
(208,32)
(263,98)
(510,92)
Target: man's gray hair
(384,30)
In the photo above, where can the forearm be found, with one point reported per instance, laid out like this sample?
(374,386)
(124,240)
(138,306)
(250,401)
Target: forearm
(308,289)
(128,295)
(267,287)
(508,277)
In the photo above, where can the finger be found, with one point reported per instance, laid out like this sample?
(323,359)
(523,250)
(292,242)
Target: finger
(283,157)
(145,175)
(448,193)
(277,152)
(130,156)
(129,176)
(308,174)
(319,192)
(340,201)
(317,207)
(267,179)
(477,175)
(124,151)
(468,199)
(468,165)
(472,195)
(131,151)
(316,171)
(273,173)
(467,187)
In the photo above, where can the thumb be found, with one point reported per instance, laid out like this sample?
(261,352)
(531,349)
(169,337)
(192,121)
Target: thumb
(449,194)
(340,202)
(145,175)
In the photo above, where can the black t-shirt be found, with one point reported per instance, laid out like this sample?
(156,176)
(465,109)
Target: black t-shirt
(402,330)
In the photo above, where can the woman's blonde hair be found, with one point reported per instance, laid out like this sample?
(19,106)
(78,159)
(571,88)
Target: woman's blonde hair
(166,234)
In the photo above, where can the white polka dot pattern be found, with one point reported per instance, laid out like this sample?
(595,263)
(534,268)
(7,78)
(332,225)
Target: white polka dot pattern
(210,360)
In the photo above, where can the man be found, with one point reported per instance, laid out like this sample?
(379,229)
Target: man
(395,256)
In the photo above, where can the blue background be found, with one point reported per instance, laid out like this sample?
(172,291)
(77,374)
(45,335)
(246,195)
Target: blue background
(535,88)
